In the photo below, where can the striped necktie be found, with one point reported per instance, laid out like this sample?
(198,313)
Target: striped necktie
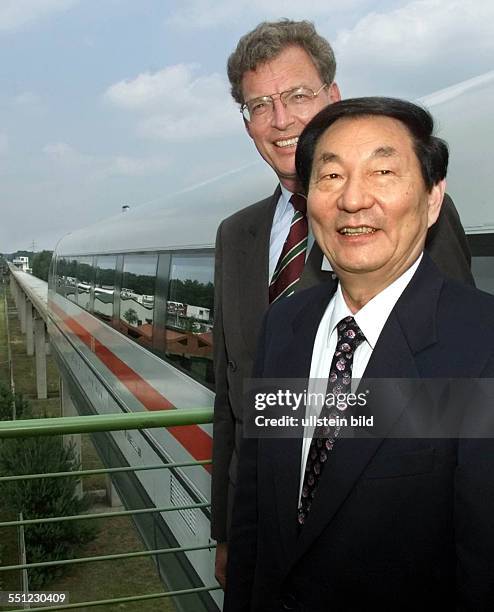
(292,259)
(350,337)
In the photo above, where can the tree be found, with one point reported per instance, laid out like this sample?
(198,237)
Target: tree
(42,498)
(130,315)
(192,292)
(6,401)
(41,264)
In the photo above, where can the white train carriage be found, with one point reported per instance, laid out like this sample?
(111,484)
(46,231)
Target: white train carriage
(131,303)
(132,309)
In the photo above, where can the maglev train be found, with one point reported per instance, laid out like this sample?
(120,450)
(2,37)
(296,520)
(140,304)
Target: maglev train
(131,304)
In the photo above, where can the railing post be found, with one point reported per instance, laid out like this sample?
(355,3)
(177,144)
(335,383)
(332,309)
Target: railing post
(40,346)
(23,561)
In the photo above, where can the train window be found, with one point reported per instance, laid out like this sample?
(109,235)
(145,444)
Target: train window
(137,297)
(189,315)
(70,279)
(61,266)
(104,287)
(84,281)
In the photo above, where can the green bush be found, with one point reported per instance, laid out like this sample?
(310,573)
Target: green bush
(42,498)
(22,408)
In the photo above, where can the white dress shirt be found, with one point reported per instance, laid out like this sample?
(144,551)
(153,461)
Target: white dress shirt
(282,221)
(371,319)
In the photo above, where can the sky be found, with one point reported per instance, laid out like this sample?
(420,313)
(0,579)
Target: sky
(105,103)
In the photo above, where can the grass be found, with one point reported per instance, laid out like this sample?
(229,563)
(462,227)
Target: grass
(108,579)
(9,554)
(4,368)
(91,581)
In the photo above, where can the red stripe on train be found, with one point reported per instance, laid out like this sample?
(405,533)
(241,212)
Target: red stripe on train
(194,439)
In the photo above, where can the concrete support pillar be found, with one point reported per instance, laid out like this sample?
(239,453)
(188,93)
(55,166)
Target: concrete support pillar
(112,498)
(21,310)
(40,346)
(29,328)
(69,409)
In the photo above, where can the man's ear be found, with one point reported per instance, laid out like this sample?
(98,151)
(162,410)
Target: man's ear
(435,201)
(334,92)
(247,127)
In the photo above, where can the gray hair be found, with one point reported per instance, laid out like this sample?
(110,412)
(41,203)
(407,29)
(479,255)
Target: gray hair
(268,40)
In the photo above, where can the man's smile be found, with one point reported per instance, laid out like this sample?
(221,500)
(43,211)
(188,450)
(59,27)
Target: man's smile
(287,142)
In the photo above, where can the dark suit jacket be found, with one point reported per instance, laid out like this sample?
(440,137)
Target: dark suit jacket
(396,524)
(241,299)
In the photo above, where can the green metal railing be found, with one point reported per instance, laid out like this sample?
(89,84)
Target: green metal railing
(103,422)
(96,424)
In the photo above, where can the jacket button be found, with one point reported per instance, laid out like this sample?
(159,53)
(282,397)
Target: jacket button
(232,365)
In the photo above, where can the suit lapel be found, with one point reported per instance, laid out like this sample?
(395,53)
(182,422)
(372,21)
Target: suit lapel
(351,455)
(312,273)
(409,329)
(254,259)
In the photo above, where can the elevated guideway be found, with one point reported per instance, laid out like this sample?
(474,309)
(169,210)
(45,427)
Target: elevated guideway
(31,299)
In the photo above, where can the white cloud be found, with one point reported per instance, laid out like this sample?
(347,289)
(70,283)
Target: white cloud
(14,14)
(425,44)
(151,90)
(177,104)
(100,167)
(213,13)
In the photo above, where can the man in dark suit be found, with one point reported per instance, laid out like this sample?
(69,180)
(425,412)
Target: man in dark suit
(383,519)
(282,74)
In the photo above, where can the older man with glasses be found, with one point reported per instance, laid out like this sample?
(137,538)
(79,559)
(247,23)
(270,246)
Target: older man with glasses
(281,74)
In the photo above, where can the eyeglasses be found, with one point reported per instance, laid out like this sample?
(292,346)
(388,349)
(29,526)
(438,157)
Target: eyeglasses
(298,100)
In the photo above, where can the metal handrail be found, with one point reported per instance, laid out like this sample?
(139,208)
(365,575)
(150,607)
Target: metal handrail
(105,422)
(79,473)
(93,424)
(127,555)
(99,515)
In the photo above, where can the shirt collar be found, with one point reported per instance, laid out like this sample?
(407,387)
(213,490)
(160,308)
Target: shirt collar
(284,202)
(285,198)
(372,317)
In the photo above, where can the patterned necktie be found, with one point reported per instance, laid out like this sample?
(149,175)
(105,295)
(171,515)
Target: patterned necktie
(292,259)
(340,377)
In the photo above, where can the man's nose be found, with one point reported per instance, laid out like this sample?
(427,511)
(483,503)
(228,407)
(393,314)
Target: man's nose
(282,117)
(355,194)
